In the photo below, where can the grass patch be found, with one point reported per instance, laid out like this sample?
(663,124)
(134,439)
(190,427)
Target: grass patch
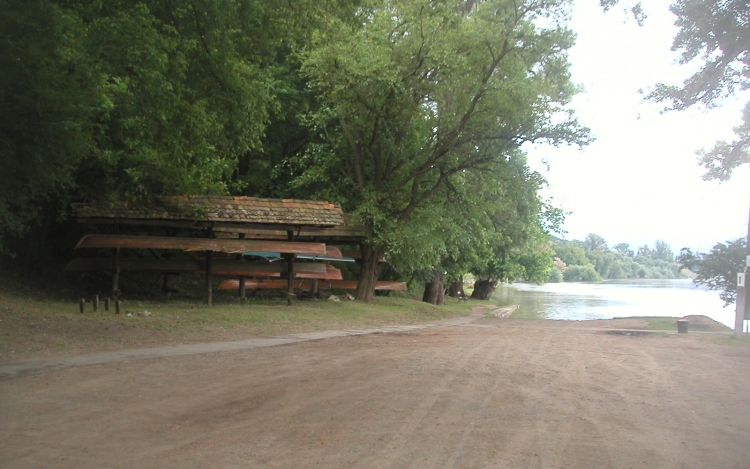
(742,341)
(697,323)
(37,323)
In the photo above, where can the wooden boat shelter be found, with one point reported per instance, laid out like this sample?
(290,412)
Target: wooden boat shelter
(285,229)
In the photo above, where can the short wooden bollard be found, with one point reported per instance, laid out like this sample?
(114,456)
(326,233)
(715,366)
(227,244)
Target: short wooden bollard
(106,304)
(117,307)
(81,305)
(96,303)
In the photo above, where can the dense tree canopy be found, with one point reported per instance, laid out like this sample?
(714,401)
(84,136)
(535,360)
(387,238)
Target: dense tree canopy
(416,93)
(134,99)
(410,114)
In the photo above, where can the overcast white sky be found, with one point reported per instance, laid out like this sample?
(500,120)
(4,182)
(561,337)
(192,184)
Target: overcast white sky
(640,180)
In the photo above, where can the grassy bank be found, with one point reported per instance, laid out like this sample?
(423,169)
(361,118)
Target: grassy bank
(36,322)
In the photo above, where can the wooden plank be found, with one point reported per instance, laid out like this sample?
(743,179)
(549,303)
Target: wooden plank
(209,257)
(228,227)
(94,241)
(290,273)
(275,232)
(220,267)
(136,265)
(307,284)
(331,273)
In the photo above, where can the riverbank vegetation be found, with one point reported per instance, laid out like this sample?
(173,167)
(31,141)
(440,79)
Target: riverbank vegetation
(38,317)
(410,115)
(718,268)
(592,260)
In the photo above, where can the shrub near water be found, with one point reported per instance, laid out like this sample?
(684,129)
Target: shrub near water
(581,273)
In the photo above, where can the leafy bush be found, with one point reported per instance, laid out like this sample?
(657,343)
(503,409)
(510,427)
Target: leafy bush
(581,273)
(555,275)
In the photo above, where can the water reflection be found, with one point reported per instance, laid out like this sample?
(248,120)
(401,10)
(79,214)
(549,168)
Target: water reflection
(606,300)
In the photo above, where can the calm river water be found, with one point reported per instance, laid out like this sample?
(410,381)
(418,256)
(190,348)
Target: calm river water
(614,299)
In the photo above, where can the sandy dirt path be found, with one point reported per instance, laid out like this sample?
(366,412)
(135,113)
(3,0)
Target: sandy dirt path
(488,394)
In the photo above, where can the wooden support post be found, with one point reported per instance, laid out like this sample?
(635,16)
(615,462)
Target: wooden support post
(115,273)
(81,305)
(314,287)
(106,304)
(117,306)
(209,277)
(290,272)
(209,268)
(96,303)
(165,283)
(242,277)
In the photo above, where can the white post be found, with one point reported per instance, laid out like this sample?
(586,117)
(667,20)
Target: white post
(739,314)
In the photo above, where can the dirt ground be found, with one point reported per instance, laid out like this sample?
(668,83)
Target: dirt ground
(494,393)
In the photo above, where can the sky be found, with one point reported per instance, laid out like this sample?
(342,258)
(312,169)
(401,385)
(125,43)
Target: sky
(640,180)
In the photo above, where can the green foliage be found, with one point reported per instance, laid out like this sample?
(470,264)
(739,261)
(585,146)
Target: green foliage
(619,263)
(624,249)
(718,35)
(555,275)
(410,114)
(46,110)
(418,95)
(571,253)
(718,268)
(581,273)
(186,93)
(131,100)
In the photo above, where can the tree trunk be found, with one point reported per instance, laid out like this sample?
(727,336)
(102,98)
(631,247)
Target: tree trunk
(368,273)
(483,289)
(456,290)
(434,291)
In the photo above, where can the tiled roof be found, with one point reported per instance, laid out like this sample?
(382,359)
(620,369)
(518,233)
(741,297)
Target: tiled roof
(226,209)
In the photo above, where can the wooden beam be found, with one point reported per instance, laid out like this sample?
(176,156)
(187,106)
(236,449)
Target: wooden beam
(220,266)
(136,265)
(307,284)
(209,277)
(331,273)
(94,241)
(115,273)
(290,272)
(241,293)
(229,227)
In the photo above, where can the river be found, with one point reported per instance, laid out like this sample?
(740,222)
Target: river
(614,299)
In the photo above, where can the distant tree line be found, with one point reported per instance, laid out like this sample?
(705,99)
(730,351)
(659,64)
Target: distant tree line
(591,260)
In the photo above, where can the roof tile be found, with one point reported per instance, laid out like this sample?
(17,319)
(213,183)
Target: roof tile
(226,208)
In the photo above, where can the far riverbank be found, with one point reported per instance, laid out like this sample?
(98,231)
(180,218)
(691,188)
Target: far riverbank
(613,299)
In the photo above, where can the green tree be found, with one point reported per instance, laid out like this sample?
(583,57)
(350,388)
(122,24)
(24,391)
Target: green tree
(624,249)
(47,104)
(572,254)
(518,232)
(418,92)
(663,252)
(130,100)
(718,34)
(581,273)
(717,269)
(594,243)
